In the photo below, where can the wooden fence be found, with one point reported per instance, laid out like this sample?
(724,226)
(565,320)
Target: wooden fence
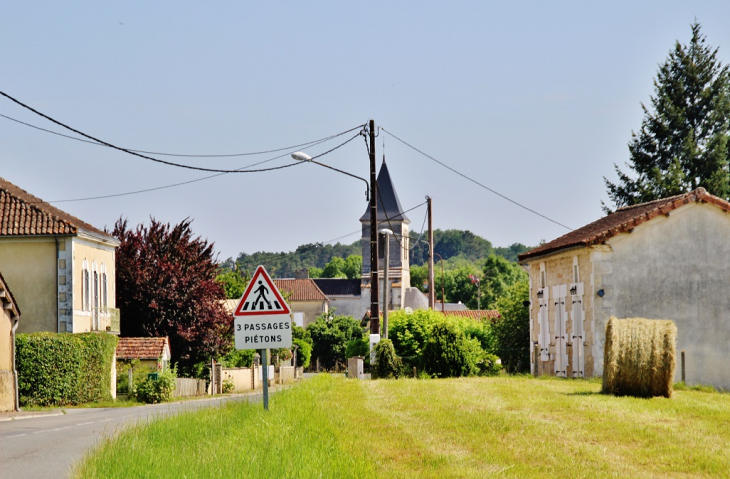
(189,387)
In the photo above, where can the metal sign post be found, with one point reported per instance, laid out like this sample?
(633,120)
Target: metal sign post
(265,376)
(261,321)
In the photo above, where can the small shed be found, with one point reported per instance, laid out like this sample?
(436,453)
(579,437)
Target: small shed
(151,352)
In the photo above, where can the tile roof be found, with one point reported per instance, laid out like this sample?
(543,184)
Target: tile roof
(300,289)
(22,214)
(623,220)
(339,286)
(476,314)
(141,348)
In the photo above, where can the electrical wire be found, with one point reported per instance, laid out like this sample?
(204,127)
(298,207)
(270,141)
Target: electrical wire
(310,143)
(477,183)
(157,160)
(198,179)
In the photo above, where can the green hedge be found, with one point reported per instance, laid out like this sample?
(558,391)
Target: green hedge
(60,369)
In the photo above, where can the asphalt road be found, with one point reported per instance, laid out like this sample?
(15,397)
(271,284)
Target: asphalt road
(48,446)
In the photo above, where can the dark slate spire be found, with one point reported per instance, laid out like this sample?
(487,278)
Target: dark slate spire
(388,201)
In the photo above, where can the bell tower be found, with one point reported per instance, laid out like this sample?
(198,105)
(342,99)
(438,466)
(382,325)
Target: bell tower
(392,217)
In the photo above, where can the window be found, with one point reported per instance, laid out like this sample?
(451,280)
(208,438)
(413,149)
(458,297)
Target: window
(576,273)
(85,293)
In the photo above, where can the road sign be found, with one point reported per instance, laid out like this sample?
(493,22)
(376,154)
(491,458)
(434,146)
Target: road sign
(262,319)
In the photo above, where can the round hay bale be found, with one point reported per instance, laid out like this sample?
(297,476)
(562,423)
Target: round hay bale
(639,358)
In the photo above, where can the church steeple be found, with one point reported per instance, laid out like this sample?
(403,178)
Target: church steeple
(391,216)
(388,203)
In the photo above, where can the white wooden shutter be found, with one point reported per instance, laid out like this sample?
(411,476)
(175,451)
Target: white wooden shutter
(543,337)
(578,333)
(561,334)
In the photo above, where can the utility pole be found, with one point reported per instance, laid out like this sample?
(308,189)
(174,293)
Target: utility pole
(374,286)
(431,285)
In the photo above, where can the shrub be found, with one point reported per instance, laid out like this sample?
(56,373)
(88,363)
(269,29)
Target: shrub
(388,365)
(639,357)
(512,330)
(238,358)
(153,391)
(228,385)
(358,347)
(489,364)
(330,335)
(304,352)
(409,333)
(60,369)
(449,353)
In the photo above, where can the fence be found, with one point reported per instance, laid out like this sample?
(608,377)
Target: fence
(185,387)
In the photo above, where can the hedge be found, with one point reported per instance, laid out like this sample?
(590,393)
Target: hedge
(60,369)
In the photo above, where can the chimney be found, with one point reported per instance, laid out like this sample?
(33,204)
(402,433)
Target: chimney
(301,274)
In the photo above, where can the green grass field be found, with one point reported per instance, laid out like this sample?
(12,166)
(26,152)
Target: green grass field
(519,427)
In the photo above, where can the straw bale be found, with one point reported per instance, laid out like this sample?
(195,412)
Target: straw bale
(640,357)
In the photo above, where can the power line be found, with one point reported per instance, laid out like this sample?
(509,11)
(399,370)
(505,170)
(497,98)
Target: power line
(309,143)
(477,183)
(157,160)
(203,178)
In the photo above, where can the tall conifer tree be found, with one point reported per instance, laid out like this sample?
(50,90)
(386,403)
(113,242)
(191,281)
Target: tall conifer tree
(684,138)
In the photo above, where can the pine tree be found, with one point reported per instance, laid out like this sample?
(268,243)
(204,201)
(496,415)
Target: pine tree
(683,142)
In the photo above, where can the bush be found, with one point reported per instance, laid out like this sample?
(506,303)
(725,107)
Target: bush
(639,357)
(238,358)
(228,385)
(358,347)
(388,365)
(330,335)
(153,391)
(304,352)
(512,330)
(489,365)
(60,369)
(449,353)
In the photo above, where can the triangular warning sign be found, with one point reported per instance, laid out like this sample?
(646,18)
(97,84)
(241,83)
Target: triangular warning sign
(261,297)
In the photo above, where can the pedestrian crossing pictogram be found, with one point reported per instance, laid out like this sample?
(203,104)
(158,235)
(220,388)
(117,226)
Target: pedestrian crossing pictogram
(261,297)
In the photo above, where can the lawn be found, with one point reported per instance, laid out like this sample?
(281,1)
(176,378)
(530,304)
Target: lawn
(520,427)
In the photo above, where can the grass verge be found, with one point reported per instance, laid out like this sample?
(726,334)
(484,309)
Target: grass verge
(480,427)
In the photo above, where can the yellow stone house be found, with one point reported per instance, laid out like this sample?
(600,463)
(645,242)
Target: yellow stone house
(61,268)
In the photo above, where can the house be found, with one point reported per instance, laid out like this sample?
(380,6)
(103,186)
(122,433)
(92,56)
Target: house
(666,259)
(305,299)
(153,353)
(61,268)
(9,318)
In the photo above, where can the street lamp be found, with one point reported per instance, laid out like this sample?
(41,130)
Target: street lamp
(301,156)
(386,232)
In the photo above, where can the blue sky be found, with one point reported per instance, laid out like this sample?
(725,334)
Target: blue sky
(536,100)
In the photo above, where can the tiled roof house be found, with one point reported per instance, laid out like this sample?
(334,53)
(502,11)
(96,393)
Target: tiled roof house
(665,259)
(154,352)
(61,268)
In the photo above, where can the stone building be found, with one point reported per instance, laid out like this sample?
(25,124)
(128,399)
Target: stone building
(61,268)
(666,259)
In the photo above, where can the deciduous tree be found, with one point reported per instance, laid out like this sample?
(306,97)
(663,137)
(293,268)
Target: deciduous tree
(166,287)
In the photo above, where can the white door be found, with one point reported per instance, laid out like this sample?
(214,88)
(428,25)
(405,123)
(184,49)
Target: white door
(561,334)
